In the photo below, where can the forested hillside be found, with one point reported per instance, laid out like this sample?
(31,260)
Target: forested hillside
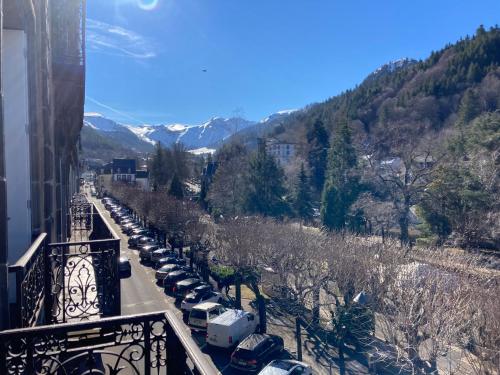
(96,146)
(412,150)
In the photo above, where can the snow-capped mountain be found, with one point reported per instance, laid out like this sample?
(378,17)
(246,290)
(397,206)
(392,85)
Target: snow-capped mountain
(391,67)
(207,136)
(116,132)
(203,138)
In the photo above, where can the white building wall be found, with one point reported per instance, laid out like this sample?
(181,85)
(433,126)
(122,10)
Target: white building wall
(17,152)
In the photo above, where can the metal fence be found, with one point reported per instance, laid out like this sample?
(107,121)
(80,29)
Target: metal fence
(137,344)
(69,281)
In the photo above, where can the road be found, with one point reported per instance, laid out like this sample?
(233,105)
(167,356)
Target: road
(141,294)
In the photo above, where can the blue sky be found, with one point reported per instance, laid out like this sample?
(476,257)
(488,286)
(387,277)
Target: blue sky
(145,58)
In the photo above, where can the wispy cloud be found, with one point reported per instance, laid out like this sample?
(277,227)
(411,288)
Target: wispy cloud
(122,114)
(115,40)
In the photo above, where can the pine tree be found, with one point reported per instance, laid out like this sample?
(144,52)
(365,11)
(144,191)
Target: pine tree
(317,138)
(469,107)
(473,73)
(342,184)
(159,175)
(176,187)
(302,202)
(468,110)
(265,192)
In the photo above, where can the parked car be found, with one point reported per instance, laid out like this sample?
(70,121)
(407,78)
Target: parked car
(256,351)
(124,266)
(286,367)
(129,229)
(162,272)
(194,298)
(142,231)
(145,241)
(201,314)
(184,287)
(117,212)
(119,215)
(171,278)
(163,252)
(125,219)
(203,288)
(132,241)
(127,222)
(146,250)
(168,260)
(230,328)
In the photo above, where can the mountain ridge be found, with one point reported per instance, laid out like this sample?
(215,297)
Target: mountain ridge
(208,136)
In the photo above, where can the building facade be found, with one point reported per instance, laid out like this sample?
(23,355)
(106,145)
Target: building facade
(42,88)
(283,152)
(123,170)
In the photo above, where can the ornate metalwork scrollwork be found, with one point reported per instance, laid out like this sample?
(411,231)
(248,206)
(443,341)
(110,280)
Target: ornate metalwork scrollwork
(128,345)
(83,280)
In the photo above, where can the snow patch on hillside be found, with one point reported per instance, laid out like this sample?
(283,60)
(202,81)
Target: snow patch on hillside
(202,151)
(142,132)
(177,127)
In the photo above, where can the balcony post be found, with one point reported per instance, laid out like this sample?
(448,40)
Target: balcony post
(176,353)
(48,303)
(118,299)
(147,346)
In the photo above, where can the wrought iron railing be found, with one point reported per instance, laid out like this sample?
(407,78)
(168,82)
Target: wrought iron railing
(138,344)
(69,281)
(29,273)
(84,280)
(81,212)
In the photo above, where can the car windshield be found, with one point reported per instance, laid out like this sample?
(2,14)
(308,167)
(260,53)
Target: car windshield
(198,314)
(215,313)
(244,354)
(167,268)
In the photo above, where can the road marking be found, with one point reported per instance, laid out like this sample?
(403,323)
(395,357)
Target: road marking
(140,303)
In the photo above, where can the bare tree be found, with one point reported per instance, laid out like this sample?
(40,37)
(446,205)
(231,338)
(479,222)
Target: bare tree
(405,174)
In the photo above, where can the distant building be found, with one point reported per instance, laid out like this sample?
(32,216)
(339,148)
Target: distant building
(123,170)
(142,179)
(283,152)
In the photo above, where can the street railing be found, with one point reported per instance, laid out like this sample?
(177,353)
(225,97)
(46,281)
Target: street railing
(137,344)
(67,281)
(84,280)
(29,275)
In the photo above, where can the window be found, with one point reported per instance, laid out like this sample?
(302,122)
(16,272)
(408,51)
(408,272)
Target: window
(212,314)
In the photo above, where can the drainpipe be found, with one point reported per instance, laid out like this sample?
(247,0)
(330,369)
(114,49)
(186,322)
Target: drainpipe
(4,301)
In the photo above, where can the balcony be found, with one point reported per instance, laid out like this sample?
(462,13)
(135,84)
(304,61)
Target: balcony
(75,287)
(69,281)
(139,344)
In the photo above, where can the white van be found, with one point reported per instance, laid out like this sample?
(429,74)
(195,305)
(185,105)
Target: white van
(202,313)
(230,328)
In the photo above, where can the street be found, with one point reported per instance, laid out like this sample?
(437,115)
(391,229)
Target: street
(140,294)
